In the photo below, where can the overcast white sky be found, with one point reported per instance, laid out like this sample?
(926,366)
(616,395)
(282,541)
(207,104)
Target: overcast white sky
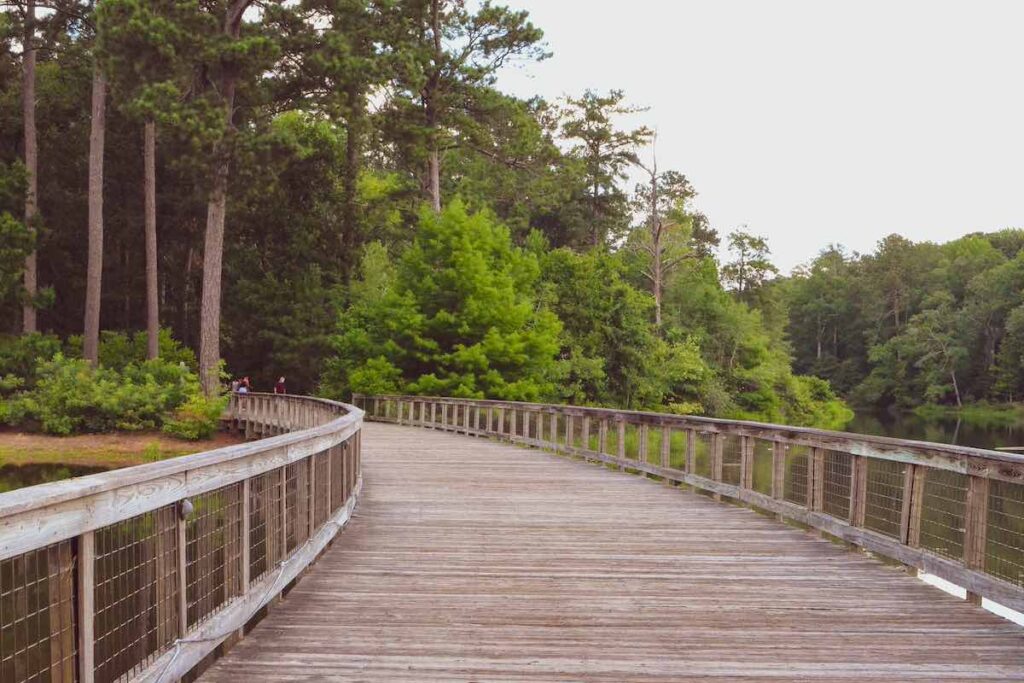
(812,121)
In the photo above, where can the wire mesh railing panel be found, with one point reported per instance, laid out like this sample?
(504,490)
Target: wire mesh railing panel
(797,470)
(654,446)
(213,552)
(296,504)
(632,440)
(264,524)
(943,512)
(884,501)
(561,430)
(702,448)
(37,620)
(732,458)
(762,462)
(677,449)
(322,494)
(136,592)
(838,480)
(1004,550)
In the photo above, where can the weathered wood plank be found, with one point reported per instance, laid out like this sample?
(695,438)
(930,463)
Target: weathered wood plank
(509,564)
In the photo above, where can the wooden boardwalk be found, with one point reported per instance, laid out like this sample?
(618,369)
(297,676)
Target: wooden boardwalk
(470,560)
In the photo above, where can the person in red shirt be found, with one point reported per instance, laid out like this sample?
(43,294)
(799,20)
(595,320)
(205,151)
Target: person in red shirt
(279,387)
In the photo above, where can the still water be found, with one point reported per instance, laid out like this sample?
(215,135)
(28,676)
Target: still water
(18,476)
(944,430)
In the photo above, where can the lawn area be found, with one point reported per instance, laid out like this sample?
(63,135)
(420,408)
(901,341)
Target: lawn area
(108,451)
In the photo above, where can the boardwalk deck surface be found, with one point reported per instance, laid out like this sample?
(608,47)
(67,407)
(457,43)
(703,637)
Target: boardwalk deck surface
(470,560)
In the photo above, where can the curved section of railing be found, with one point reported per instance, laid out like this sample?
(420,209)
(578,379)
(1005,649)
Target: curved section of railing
(138,574)
(951,511)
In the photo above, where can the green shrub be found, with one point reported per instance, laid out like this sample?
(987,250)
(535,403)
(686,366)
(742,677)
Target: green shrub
(197,418)
(72,396)
(19,356)
(118,350)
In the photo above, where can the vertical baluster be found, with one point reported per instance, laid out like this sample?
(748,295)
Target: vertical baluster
(816,479)
(717,445)
(86,607)
(746,462)
(976,528)
(246,554)
(858,490)
(602,436)
(641,450)
(622,443)
(570,446)
(181,522)
(585,436)
(666,451)
(691,451)
(553,431)
(512,425)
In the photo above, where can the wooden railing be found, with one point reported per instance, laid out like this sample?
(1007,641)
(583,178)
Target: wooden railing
(954,512)
(138,574)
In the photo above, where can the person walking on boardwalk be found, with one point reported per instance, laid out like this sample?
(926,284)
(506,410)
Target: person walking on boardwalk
(279,388)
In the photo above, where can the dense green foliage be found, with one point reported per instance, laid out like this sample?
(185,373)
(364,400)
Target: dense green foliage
(527,276)
(914,323)
(42,388)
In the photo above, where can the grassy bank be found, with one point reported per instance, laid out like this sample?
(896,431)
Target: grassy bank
(109,451)
(977,414)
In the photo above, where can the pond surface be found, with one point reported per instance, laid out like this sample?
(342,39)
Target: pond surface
(18,476)
(941,430)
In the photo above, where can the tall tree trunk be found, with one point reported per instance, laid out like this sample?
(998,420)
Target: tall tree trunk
(956,389)
(216,208)
(430,105)
(656,240)
(94,271)
(353,157)
(28,110)
(152,301)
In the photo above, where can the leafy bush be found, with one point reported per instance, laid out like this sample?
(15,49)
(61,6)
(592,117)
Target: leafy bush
(197,418)
(118,350)
(70,396)
(19,356)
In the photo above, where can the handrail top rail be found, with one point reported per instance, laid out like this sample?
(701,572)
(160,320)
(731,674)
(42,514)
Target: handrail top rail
(884,442)
(43,495)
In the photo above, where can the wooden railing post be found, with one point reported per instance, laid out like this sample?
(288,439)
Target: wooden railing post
(691,451)
(182,537)
(666,451)
(602,436)
(512,431)
(816,477)
(585,435)
(569,433)
(976,527)
(641,451)
(858,490)
(621,425)
(86,607)
(501,422)
(717,447)
(746,462)
(246,549)
(778,470)
(553,431)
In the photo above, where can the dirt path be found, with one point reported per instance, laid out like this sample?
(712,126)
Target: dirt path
(100,450)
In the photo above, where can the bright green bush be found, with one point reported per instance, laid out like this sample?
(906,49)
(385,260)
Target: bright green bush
(197,418)
(70,396)
(19,356)
(117,350)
